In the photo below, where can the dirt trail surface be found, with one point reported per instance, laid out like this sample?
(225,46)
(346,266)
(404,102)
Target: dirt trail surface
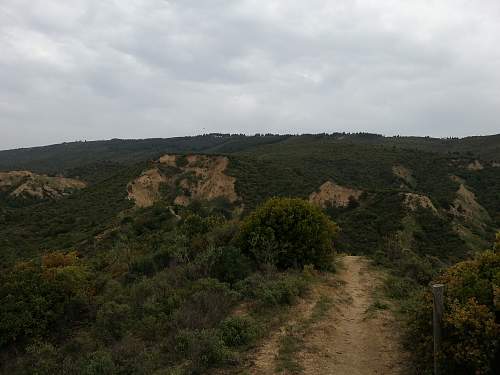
(355,337)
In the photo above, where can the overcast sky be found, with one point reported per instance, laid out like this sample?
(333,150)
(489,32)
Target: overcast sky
(98,69)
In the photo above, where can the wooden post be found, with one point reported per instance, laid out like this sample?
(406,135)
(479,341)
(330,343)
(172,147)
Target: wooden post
(437,293)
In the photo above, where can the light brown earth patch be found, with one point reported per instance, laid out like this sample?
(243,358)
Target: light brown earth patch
(356,338)
(458,180)
(145,190)
(170,160)
(192,177)
(25,184)
(465,206)
(358,335)
(414,201)
(14,178)
(404,174)
(332,194)
(475,166)
(264,359)
(210,180)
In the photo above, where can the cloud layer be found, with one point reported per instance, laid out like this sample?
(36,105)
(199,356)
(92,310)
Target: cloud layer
(94,69)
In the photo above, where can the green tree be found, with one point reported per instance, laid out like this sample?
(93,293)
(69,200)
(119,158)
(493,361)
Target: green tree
(288,232)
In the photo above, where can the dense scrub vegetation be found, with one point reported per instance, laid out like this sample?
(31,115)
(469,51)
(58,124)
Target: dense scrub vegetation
(57,158)
(67,156)
(471,322)
(264,166)
(157,293)
(288,232)
(142,290)
(71,222)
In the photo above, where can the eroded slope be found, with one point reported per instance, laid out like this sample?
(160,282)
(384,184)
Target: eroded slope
(183,179)
(25,184)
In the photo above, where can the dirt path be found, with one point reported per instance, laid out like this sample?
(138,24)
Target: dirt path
(358,335)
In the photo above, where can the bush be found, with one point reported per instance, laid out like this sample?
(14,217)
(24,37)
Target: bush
(37,298)
(203,349)
(282,289)
(99,363)
(399,288)
(471,324)
(42,359)
(229,265)
(141,266)
(287,233)
(238,331)
(112,319)
(416,267)
(208,303)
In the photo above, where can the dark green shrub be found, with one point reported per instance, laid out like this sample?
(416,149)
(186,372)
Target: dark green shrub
(223,234)
(287,233)
(181,161)
(99,363)
(162,259)
(209,302)
(36,298)
(282,289)
(42,359)
(415,267)
(379,257)
(229,265)
(400,287)
(238,331)
(112,319)
(157,296)
(194,225)
(203,349)
(142,266)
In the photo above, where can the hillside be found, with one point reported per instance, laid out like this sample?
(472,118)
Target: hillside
(28,185)
(405,193)
(62,157)
(139,264)
(66,156)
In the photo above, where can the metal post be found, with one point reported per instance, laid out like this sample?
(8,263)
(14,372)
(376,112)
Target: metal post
(437,293)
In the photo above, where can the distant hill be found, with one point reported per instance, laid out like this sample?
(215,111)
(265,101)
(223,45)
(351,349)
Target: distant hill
(442,204)
(482,147)
(127,256)
(65,156)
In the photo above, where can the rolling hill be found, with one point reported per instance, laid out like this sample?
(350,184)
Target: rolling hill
(126,257)
(398,190)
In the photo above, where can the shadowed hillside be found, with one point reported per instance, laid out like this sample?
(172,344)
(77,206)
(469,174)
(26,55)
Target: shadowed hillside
(60,157)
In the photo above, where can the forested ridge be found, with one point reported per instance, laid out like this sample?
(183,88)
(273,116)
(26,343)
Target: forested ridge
(58,157)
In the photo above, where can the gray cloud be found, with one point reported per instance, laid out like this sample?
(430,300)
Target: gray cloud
(93,69)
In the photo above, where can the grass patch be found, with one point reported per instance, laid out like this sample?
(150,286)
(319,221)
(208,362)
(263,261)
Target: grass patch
(292,342)
(377,305)
(321,308)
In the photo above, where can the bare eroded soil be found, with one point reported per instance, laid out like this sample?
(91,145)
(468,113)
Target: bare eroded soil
(355,337)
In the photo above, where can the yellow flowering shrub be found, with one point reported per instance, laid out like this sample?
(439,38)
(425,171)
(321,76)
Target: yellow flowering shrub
(471,320)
